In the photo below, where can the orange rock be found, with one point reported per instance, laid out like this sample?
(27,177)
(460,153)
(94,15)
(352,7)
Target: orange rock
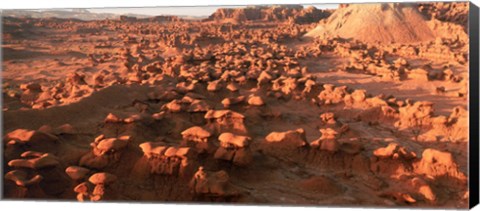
(102,178)
(239,141)
(77,172)
(291,138)
(255,100)
(196,133)
(38,162)
(21,178)
(111,118)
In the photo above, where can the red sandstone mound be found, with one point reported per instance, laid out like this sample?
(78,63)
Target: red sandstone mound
(385,23)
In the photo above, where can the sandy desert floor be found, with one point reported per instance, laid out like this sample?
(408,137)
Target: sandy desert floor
(295,106)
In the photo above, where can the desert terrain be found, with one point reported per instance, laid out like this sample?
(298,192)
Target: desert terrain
(364,105)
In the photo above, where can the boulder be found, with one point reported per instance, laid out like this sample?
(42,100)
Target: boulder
(290,139)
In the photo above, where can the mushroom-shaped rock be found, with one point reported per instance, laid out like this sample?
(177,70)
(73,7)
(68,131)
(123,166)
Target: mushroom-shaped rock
(196,133)
(169,160)
(225,121)
(291,138)
(82,190)
(255,101)
(328,133)
(21,135)
(197,137)
(77,172)
(327,141)
(21,178)
(152,148)
(101,181)
(24,135)
(102,178)
(108,144)
(228,139)
(43,161)
(234,148)
(82,187)
(104,152)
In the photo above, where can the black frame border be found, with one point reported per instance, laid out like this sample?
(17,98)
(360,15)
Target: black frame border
(474,105)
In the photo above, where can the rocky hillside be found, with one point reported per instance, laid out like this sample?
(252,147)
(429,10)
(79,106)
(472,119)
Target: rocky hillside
(453,12)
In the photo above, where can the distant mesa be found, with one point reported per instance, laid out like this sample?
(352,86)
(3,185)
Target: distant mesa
(282,13)
(160,18)
(296,13)
(127,18)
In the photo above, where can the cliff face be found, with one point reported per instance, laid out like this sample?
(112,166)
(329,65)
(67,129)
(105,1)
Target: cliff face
(295,13)
(167,18)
